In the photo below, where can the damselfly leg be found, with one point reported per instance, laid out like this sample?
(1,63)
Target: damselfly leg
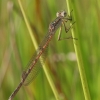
(66,30)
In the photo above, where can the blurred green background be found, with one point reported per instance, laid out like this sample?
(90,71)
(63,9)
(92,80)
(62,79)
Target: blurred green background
(16,49)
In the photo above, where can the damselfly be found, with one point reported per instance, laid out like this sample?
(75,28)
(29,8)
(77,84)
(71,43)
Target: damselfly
(34,65)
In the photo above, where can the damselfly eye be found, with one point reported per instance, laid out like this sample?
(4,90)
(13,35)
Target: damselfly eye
(61,14)
(65,13)
(57,14)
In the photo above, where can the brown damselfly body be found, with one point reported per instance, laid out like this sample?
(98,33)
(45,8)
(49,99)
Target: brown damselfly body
(35,65)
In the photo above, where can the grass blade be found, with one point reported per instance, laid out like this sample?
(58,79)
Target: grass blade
(80,63)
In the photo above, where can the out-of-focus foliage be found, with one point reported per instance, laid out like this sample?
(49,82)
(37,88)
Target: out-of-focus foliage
(16,49)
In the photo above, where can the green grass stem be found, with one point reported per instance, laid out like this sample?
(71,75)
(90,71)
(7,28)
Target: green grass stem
(80,63)
(36,46)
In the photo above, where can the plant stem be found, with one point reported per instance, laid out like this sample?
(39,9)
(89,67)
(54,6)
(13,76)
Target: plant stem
(36,46)
(80,63)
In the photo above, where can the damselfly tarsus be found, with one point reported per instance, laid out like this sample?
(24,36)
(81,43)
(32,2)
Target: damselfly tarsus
(32,69)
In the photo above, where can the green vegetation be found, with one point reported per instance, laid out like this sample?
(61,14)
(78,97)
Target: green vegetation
(63,79)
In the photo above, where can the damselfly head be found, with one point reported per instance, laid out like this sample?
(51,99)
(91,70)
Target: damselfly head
(61,14)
